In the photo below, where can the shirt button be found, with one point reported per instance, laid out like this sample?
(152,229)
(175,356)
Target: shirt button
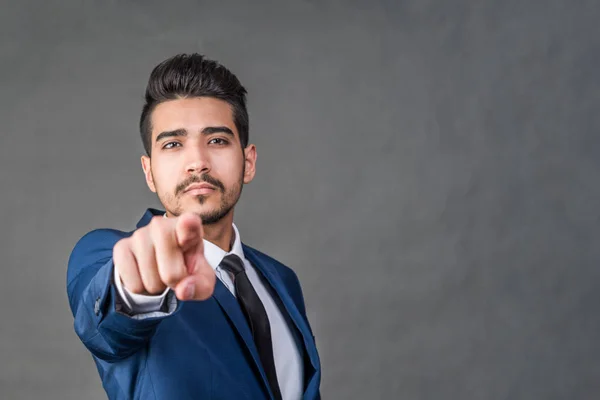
(97,306)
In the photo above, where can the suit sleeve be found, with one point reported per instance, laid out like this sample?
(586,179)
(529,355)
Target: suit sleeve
(101,323)
(143,306)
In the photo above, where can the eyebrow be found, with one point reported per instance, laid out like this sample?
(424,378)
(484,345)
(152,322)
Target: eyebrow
(206,131)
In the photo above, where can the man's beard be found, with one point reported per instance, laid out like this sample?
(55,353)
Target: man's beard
(229,198)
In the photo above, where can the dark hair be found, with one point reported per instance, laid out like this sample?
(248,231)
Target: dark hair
(193,75)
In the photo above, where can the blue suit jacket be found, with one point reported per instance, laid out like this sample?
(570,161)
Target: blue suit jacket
(204,350)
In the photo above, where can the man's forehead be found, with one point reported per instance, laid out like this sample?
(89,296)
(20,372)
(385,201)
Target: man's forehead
(192,115)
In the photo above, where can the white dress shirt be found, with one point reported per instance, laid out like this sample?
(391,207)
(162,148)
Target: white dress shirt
(287,357)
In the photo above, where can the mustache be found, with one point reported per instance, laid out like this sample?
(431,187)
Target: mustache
(200,179)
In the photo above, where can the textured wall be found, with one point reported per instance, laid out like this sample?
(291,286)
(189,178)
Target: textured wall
(429,169)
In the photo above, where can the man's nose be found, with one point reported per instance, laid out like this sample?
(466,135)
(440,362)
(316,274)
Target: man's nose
(198,161)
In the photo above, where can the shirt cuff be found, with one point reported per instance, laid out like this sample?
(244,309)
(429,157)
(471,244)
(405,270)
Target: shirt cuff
(143,306)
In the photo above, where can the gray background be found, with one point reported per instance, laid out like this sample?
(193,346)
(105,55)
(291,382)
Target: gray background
(429,169)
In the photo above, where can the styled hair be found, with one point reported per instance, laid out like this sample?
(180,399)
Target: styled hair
(188,76)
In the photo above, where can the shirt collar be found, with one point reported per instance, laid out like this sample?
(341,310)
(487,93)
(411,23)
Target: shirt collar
(214,254)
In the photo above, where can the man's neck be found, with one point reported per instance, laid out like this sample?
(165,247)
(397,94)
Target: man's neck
(220,234)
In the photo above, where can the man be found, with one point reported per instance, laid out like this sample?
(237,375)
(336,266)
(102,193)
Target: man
(180,308)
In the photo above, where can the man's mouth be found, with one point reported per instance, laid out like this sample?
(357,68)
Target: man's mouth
(196,189)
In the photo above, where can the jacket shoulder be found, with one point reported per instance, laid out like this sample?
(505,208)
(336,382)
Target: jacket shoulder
(287,274)
(93,247)
(281,268)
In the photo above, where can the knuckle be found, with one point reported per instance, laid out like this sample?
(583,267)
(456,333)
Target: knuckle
(172,276)
(158,230)
(120,250)
(134,286)
(154,286)
(155,224)
(140,242)
(137,235)
(119,247)
(147,262)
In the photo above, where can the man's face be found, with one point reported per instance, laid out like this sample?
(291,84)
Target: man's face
(197,163)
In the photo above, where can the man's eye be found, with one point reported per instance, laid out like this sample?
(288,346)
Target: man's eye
(217,141)
(170,145)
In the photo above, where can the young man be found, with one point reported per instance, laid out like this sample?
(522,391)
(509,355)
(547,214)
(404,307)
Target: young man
(180,308)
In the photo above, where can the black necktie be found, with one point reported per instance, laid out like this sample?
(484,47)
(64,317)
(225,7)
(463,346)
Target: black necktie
(256,316)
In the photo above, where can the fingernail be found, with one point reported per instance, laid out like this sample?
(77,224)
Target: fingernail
(189,290)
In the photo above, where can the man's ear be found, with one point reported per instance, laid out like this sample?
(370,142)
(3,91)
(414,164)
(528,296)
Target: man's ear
(249,163)
(146,166)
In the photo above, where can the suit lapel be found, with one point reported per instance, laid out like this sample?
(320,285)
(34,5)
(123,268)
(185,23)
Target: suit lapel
(273,278)
(231,308)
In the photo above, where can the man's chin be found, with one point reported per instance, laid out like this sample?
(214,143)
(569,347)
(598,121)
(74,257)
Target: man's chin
(198,202)
(209,213)
(200,209)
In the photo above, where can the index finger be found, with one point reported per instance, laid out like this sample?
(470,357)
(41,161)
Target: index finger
(188,232)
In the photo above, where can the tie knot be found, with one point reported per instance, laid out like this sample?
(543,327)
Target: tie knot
(232,263)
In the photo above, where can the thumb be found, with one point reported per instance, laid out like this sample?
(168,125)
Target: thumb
(198,286)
